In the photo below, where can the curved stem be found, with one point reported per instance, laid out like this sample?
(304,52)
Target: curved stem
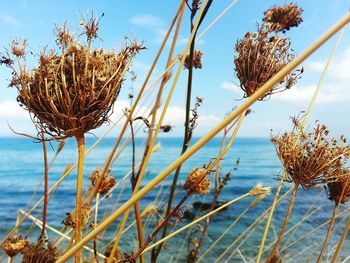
(335,210)
(285,223)
(79,195)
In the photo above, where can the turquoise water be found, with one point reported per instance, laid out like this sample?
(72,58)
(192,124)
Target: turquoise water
(21,169)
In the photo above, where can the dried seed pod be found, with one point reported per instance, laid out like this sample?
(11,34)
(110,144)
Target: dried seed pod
(258,57)
(14,245)
(71,218)
(282,18)
(192,179)
(73,92)
(311,158)
(108,180)
(339,187)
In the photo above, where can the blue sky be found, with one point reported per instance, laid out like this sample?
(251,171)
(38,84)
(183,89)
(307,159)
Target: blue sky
(148,21)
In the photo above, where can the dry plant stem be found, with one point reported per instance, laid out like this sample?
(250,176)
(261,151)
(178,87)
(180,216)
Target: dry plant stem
(303,124)
(188,193)
(255,96)
(46,187)
(335,210)
(341,241)
(285,223)
(187,132)
(95,224)
(139,96)
(79,196)
(196,221)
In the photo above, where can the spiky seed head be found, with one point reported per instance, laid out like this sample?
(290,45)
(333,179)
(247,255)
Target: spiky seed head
(260,190)
(14,245)
(108,180)
(192,181)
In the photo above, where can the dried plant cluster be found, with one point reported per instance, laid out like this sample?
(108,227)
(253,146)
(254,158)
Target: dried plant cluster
(42,251)
(71,218)
(15,245)
(312,158)
(282,18)
(72,91)
(107,183)
(339,188)
(192,179)
(261,55)
(196,62)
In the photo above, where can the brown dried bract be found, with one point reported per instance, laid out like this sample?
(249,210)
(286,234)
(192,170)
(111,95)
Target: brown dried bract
(108,180)
(73,92)
(197,60)
(192,179)
(311,158)
(258,57)
(14,245)
(282,18)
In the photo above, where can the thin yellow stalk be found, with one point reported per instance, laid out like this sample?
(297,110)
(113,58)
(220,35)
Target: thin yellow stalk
(95,222)
(197,220)
(319,84)
(228,229)
(255,96)
(341,241)
(79,195)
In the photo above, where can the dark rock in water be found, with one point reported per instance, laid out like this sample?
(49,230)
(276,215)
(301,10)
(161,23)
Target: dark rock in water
(189,215)
(202,206)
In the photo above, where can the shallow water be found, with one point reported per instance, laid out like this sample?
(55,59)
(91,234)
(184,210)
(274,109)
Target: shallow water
(21,169)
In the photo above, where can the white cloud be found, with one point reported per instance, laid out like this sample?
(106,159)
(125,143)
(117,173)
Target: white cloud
(11,109)
(147,20)
(230,86)
(10,20)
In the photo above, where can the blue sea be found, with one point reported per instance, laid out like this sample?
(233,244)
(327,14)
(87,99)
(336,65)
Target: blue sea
(21,171)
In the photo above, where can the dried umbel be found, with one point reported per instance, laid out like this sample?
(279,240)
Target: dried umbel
(339,188)
(282,18)
(311,158)
(14,245)
(192,180)
(258,57)
(197,60)
(71,218)
(72,91)
(108,181)
(40,252)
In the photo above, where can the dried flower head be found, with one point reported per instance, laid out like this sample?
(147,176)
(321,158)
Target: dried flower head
(41,251)
(116,257)
(18,47)
(311,158)
(197,60)
(71,218)
(339,188)
(72,92)
(192,180)
(258,57)
(14,245)
(260,190)
(282,18)
(108,180)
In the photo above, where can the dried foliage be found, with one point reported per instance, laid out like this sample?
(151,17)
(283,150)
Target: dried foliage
(282,18)
(197,60)
(192,179)
(276,258)
(311,158)
(107,183)
(258,57)
(14,245)
(116,257)
(339,188)
(72,92)
(42,251)
(71,218)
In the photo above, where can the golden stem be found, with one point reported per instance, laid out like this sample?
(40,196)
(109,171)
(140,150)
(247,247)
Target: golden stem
(79,196)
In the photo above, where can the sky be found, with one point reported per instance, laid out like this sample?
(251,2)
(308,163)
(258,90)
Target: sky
(216,83)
